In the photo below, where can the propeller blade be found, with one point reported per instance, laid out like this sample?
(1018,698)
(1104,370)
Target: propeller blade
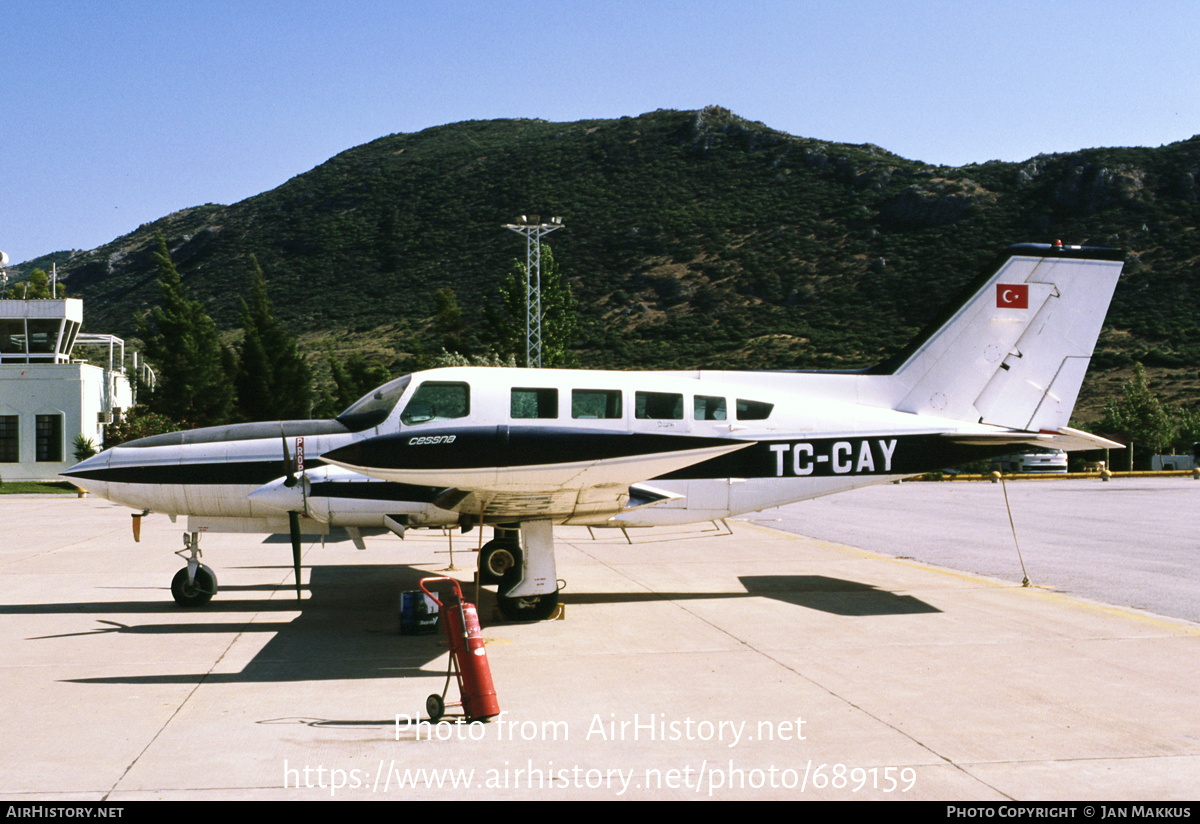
(294,524)
(289,469)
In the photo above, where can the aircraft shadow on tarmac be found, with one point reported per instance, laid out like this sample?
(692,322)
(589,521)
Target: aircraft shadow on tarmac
(835,595)
(349,626)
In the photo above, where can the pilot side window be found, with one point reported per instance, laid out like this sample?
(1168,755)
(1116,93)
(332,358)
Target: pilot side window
(437,401)
(753,410)
(595,403)
(661,406)
(708,408)
(534,403)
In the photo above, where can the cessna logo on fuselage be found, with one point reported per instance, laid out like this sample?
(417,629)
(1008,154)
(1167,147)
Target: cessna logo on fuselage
(428,440)
(863,455)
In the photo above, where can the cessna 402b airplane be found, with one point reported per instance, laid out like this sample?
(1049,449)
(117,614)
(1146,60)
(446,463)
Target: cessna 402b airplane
(525,449)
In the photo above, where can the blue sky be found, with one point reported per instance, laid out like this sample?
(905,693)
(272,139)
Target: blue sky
(115,113)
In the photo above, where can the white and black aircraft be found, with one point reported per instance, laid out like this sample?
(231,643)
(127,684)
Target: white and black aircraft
(525,449)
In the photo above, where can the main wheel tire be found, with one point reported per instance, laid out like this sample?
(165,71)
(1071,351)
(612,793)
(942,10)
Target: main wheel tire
(496,558)
(530,609)
(197,593)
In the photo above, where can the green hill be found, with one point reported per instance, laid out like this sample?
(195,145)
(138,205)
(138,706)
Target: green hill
(692,239)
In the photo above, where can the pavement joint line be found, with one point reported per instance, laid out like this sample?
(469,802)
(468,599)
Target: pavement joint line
(178,709)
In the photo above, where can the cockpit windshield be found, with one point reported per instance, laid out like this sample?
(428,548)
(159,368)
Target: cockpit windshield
(374,407)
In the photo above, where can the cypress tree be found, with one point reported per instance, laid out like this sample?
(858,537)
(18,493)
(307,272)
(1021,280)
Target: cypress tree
(273,379)
(192,368)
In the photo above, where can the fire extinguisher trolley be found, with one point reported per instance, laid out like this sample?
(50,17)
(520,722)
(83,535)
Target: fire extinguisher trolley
(468,657)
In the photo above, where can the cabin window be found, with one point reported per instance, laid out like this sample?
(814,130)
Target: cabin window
(708,408)
(437,401)
(48,446)
(753,410)
(595,403)
(10,451)
(534,403)
(659,406)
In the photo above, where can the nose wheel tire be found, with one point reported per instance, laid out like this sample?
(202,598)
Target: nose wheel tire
(196,593)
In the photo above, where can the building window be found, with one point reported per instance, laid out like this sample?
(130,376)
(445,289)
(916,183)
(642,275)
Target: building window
(49,438)
(10,451)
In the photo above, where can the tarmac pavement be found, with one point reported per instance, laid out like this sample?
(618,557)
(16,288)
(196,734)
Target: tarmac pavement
(690,664)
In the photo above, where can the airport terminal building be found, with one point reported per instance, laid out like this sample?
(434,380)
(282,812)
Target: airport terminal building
(47,398)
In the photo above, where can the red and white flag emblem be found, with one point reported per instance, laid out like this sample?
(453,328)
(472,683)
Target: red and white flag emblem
(1012,295)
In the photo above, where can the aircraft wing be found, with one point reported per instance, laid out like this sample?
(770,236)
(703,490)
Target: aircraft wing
(596,500)
(531,473)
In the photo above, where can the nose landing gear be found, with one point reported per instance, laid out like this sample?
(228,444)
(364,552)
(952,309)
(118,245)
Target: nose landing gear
(195,584)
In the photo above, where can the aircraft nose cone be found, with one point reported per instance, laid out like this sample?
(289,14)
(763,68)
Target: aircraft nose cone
(91,474)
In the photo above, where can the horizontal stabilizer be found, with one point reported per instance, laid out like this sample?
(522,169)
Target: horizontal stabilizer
(1065,438)
(642,495)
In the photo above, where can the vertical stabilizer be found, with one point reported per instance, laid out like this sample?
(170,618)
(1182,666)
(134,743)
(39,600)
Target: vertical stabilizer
(1014,354)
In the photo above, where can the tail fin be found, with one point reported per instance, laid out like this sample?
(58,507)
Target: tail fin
(1014,354)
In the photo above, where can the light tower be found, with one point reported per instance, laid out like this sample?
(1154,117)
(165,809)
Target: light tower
(534,230)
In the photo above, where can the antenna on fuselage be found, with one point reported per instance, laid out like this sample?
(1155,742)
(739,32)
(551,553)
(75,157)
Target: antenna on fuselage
(533,229)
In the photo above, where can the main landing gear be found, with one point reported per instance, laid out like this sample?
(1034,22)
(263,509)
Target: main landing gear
(502,562)
(195,584)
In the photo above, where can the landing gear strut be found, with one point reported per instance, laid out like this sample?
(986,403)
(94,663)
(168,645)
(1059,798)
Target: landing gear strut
(195,584)
(526,584)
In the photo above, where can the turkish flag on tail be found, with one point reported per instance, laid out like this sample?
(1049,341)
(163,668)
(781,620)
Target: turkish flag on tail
(1012,295)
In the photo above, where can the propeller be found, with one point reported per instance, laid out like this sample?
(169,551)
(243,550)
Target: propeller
(290,468)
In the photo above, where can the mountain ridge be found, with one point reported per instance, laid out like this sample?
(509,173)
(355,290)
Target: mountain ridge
(692,239)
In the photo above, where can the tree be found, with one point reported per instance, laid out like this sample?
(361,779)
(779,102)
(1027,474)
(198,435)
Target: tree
(138,422)
(1188,428)
(449,319)
(352,378)
(192,369)
(273,379)
(1139,414)
(36,288)
(560,323)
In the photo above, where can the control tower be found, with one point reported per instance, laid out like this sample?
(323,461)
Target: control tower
(46,397)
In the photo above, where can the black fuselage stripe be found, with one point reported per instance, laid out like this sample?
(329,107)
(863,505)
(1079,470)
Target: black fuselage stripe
(820,457)
(504,446)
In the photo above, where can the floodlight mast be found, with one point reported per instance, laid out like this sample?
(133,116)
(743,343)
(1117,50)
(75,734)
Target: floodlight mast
(533,229)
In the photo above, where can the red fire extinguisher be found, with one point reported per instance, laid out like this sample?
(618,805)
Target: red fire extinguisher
(468,657)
